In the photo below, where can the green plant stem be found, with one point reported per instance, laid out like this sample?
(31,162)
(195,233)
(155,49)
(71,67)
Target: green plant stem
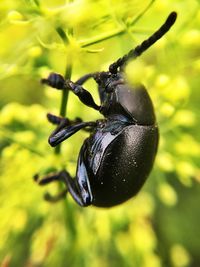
(68,72)
(64,99)
(68,211)
(135,20)
(117,32)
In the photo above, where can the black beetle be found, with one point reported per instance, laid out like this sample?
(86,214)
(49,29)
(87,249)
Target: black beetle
(117,157)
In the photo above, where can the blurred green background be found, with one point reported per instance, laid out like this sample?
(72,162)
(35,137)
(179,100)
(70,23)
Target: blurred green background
(161,225)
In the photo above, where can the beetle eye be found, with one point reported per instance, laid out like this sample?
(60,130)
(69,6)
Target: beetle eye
(97,77)
(102,77)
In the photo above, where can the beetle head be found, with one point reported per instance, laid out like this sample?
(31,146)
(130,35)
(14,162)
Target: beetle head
(108,81)
(102,77)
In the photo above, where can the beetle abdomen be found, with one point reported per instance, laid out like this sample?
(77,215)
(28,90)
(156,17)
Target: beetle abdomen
(125,165)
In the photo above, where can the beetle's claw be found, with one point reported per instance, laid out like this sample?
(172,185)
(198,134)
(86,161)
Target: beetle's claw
(48,197)
(54,80)
(44,81)
(36,177)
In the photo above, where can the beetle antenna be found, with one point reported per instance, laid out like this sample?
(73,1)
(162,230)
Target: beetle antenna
(138,50)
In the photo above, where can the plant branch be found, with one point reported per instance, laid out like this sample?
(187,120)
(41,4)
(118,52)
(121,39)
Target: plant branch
(68,71)
(117,32)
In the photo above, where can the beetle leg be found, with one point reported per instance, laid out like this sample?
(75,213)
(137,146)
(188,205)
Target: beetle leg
(84,78)
(93,75)
(48,197)
(74,190)
(62,132)
(79,187)
(84,96)
(58,120)
(57,81)
(70,183)
(48,179)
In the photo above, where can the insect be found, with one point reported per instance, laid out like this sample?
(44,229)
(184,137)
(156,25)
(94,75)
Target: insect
(117,157)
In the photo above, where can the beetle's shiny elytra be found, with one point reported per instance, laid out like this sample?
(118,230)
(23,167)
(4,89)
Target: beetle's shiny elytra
(117,157)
